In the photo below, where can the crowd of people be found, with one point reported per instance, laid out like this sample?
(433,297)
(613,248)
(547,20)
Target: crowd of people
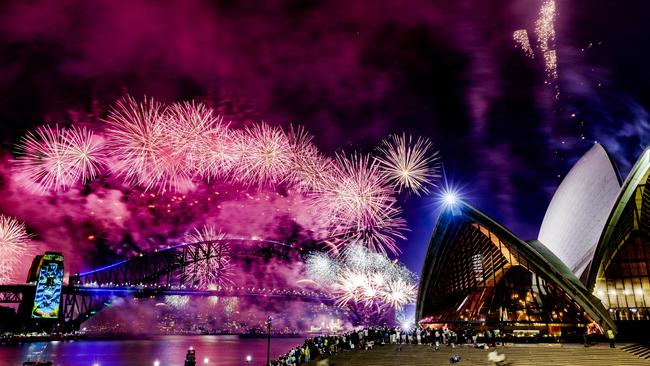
(367,338)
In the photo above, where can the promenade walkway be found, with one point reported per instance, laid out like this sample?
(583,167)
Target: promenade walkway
(519,355)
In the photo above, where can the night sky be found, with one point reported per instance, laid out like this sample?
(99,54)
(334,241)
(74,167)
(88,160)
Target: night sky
(353,72)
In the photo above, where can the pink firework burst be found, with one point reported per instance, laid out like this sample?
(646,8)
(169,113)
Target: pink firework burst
(141,148)
(199,136)
(14,243)
(215,270)
(54,159)
(398,293)
(265,156)
(358,203)
(310,169)
(409,166)
(86,153)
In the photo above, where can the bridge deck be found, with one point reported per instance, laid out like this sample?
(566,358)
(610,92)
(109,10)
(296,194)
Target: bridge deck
(537,355)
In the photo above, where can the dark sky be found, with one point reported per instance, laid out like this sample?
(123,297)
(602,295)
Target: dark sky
(354,72)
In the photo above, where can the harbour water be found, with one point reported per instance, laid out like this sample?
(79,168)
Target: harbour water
(222,350)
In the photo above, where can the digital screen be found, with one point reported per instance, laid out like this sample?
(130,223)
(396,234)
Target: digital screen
(48,288)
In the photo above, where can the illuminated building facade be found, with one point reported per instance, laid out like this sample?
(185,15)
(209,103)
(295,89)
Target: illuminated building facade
(619,274)
(477,273)
(591,262)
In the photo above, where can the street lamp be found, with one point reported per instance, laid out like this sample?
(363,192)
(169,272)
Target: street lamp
(156,363)
(249,359)
(206,360)
(269,323)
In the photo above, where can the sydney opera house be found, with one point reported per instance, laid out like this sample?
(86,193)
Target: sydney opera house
(588,266)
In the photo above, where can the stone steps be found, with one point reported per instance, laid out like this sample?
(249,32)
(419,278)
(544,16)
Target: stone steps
(640,350)
(536,355)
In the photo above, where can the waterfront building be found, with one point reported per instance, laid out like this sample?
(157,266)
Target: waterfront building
(589,265)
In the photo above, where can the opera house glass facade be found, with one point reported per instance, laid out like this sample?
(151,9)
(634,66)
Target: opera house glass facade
(589,265)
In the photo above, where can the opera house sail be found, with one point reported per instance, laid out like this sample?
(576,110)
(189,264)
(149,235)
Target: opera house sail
(579,209)
(478,272)
(619,274)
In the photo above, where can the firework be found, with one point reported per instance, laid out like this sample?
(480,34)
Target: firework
(520,36)
(52,159)
(220,153)
(265,156)
(85,152)
(214,269)
(177,301)
(545,29)
(360,276)
(358,203)
(321,266)
(309,167)
(398,293)
(198,136)
(140,146)
(408,166)
(14,243)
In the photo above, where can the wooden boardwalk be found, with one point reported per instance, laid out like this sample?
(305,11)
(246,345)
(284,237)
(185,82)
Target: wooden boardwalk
(520,355)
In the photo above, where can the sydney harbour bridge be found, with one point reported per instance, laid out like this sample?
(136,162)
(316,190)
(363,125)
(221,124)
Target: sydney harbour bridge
(160,273)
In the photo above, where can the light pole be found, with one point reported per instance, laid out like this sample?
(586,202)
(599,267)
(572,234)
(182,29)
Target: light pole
(249,359)
(269,323)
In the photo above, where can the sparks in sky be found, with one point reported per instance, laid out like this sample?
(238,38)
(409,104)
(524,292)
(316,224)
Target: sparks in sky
(216,268)
(520,36)
(409,165)
(141,150)
(309,167)
(14,243)
(54,159)
(360,276)
(398,293)
(545,29)
(189,127)
(170,148)
(265,156)
(357,201)
(177,301)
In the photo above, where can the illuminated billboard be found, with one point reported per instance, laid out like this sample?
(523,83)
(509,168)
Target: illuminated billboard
(48,288)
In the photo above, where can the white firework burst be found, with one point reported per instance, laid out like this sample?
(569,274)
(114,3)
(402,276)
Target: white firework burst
(177,301)
(214,268)
(15,242)
(310,169)
(53,159)
(265,156)
(409,165)
(398,293)
(141,149)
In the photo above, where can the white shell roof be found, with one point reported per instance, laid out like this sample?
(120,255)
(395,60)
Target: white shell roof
(578,211)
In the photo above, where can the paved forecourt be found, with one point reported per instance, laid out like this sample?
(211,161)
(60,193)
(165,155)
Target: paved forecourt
(520,355)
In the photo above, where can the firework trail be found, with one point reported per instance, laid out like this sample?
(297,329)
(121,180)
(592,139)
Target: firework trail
(142,151)
(520,36)
(53,159)
(14,243)
(215,270)
(265,156)
(409,166)
(545,29)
